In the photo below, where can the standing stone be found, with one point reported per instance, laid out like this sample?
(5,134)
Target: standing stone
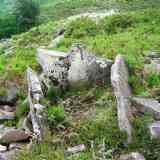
(119,79)
(85,67)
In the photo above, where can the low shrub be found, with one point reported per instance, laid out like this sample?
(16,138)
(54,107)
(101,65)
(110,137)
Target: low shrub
(81,27)
(116,23)
(56,115)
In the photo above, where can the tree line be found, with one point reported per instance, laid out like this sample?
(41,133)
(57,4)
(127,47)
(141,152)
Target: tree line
(23,16)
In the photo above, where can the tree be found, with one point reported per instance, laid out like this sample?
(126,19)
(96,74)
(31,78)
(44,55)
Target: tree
(26,12)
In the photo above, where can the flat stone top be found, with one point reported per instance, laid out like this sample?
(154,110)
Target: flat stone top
(52,53)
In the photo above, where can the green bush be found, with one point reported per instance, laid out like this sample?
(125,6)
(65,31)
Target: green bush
(116,23)
(56,115)
(81,27)
(153,80)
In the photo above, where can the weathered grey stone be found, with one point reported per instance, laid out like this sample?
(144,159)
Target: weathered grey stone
(153,54)
(119,79)
(4,115)
(9,155)
(8,108)
(3,148)
(85,67)
(132,156)
(35,85)
(75,149)
(77,67)
(37,116)
(147,105)
(4,129)
(55,67)
(14,136)
(155,129)
(45,57)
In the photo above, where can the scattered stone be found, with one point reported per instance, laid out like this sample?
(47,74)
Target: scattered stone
(9,155)
(143,105)
(132,156)
(8,108)
(4,115)
(153,54)
(76,149)
(39,107)
(19,146)
(14,136)
(4,129)
(119,79)
(155,129)
(3,148)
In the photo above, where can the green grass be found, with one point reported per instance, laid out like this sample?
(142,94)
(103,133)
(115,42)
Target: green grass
(132,34)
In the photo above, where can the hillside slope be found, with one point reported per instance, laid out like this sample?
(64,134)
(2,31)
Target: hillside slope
(91,115)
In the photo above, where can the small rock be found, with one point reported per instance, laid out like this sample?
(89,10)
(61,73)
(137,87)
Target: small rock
(3,148)
(4,115)
(76,149)
(4,129)
(14,136)
(132,156)
(18,146)
(39,107)
(143,105)
(155,129)
(153,54)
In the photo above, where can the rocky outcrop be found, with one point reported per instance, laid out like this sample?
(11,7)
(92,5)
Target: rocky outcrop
(119,79)
(132,156)
(143,105)
(155,130)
